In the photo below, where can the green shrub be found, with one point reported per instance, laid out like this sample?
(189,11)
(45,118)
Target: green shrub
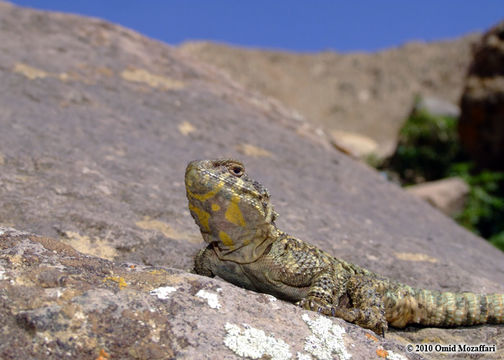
(429,149)
(427,145)
(484,210)
(498,240)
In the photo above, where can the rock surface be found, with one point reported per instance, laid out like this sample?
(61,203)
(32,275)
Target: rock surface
(481,125)
(366,93)
(97,124)
(58,303)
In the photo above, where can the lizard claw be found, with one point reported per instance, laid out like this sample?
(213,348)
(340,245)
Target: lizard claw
(380,329)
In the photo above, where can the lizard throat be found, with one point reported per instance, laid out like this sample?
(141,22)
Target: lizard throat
(249,251)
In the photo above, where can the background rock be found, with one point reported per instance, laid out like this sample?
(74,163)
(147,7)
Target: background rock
(96,128)
(481,125)
(436,107)
(447,195)
(353,144)
(366,93)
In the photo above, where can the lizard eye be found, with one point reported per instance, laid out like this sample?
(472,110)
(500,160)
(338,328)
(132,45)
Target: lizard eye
(236,170)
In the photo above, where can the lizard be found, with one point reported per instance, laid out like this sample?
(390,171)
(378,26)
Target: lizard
(245,247)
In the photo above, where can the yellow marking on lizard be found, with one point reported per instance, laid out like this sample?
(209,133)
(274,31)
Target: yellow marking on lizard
(226,240)
(208,195)
(215,207)
(233,213)
(203,216)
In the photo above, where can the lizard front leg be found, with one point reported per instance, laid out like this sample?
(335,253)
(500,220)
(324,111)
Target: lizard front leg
(203,262)
(320,296)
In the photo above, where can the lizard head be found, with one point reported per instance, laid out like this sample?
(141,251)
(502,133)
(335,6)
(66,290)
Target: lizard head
(231,210)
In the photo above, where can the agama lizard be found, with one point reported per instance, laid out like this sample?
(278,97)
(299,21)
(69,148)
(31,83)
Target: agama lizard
(246,248)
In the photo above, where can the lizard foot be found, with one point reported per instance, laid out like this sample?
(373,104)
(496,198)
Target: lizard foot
(374,321)
(316,304)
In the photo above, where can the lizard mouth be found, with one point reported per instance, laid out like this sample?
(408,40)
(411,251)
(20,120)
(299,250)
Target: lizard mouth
(191,176)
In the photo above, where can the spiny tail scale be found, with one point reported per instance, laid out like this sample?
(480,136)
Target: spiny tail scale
(442,309)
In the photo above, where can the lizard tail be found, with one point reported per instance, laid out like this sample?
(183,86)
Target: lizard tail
(444,309)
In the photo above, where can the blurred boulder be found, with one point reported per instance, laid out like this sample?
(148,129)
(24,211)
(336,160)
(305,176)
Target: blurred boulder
(481,125)
(353,144)
(447,195)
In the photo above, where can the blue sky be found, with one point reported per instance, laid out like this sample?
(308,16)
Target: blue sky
(294,25)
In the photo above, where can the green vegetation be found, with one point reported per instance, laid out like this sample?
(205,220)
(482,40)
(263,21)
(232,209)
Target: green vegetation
(484,210)
(429,149)
(427,146)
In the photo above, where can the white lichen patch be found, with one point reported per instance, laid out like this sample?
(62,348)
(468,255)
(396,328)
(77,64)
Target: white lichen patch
(327,339)
(302,356)
(254,343)
(163,292)
(2,275)
(273,301)
(155,331)
(51,292)
(211,298)
(271,298)
(394,356)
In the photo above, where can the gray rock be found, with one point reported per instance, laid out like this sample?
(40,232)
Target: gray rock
(138,312)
